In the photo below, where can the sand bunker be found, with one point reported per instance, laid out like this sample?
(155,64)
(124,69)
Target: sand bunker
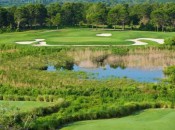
(30,42)
(26,42)
(49,31)
(104,35)
(139,42)
(41,42)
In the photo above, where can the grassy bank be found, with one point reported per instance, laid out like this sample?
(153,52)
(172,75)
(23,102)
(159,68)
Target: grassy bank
(152,119)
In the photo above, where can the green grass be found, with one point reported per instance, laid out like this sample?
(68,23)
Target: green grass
(152,43)
(24,105)
(81,36)
(152,119)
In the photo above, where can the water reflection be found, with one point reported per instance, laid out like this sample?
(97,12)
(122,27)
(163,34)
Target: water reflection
(142,75)
(144,59)
(51,68)
(141,65)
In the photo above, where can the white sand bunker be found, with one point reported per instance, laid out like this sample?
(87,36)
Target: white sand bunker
(104,35)
(39,40)
(41,44)
(139,42)
(30,42)
(49,31)
(26,42)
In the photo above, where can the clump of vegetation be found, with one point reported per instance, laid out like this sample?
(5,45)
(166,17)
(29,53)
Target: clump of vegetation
(170,72)
(170,41)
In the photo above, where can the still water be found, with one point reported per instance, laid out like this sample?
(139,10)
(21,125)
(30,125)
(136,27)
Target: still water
(138,74)
(140,66)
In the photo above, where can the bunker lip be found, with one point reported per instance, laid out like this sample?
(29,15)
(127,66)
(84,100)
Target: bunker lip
(39,40)
(30,42)
(25,42)
(139,42)
(104,35)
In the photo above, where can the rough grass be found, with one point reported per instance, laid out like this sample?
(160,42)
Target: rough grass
(81,36)
(24,105)
(152,119)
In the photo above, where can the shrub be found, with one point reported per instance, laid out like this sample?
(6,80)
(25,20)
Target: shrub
(1,31)
(27,98)
(1,97)
(51,98)
(9,98)
(170,41)
(40,98)
(46,98)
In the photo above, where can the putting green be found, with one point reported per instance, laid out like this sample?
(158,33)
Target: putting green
(152,119)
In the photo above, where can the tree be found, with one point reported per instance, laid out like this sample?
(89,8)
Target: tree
(72,13)
(159,18)
(10,16)
(20,16)
(113,16)
(67,14)
(124,15)
(57,20)
(97,14)
(3,17)
(31,14)
(52,11)
(40,14)
(144,12)
(171,15)
(133,15)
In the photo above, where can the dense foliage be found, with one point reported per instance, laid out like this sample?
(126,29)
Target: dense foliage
(111,2)
(143,16)
(23,79)
(170,41)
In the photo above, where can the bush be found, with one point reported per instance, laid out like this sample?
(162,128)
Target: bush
(46,98)
(1,97)
(9,29)
(9,98)
(1,31)
(27,98)
(147,27)
(18,98)
(170,41)
(40,98)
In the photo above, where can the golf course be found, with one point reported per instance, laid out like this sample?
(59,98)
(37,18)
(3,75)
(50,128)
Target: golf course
(83,36)
(44,81)
(87,66)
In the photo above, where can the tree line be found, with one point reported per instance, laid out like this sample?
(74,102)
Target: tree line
(109,2)
(142,16)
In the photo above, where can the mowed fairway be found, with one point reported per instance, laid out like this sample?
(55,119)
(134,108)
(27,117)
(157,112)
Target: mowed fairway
(152,119)
(81,36)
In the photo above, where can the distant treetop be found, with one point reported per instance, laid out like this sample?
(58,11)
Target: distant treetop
(108,2)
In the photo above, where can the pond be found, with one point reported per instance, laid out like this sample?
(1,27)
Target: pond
(140,66)
(138,74)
